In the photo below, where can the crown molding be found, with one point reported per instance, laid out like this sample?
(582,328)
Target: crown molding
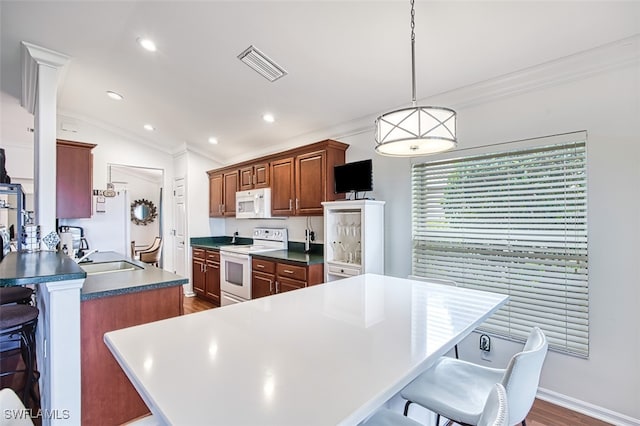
(32,57)
(580,65)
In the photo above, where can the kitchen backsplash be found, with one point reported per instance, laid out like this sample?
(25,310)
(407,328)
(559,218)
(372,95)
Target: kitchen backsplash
(294,225)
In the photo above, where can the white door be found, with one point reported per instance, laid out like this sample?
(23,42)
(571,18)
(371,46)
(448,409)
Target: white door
(179,231)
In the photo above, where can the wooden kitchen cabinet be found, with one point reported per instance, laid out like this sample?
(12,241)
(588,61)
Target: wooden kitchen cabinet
(300,180)
(222,193)
(206,274)
(198,279)
(212,276)
(74,179)
(254,176)
(300,184)
(282,187)
(269,277)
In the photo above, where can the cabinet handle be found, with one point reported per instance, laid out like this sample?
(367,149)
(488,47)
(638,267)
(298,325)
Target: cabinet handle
(205,268)
(277,291)
(297,204)
(270,286)
(259,266)
(290,204)
(288,271)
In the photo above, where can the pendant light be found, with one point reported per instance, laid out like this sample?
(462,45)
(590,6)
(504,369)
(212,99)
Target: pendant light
(417,130)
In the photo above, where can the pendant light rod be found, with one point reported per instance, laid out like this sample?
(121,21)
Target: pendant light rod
(413,54)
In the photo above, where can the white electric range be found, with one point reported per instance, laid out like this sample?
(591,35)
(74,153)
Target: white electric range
(235,263)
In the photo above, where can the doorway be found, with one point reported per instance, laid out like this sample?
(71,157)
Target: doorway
(142,186)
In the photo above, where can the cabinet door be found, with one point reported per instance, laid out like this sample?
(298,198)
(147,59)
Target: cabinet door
(74,179)
(311,183)
(262,284)
(230,189)
(212,282)
(287,284)
(215,195)
(261,173)
(198,278)
(246,178)
(282,187)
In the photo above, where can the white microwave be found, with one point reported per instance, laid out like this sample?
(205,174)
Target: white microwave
(253,204)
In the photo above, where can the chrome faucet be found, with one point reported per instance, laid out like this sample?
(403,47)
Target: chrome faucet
(80,259)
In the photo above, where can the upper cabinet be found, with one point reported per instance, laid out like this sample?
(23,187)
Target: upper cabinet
(74,179)
(300,180)
(254,176)
(222,193)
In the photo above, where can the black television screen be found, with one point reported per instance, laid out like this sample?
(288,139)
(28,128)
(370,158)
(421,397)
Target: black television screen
(356,176)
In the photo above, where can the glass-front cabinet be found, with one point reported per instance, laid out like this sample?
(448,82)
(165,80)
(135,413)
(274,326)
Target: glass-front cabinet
(353,238)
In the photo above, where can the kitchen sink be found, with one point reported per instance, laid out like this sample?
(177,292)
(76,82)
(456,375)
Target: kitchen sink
(107,267)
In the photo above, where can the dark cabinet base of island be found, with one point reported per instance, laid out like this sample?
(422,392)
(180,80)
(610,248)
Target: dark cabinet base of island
(108,397)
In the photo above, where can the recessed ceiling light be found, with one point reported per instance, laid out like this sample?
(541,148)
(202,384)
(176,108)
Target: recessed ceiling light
(269,118)
(213,141)
(149,127)
(147,44)
(114,95)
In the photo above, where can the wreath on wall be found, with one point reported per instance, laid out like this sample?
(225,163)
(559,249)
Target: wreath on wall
(143,212)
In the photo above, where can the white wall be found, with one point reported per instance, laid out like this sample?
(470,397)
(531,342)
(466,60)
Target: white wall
(607,105)
(113,148)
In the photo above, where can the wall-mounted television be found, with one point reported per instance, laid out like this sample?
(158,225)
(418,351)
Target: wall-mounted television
(353,177)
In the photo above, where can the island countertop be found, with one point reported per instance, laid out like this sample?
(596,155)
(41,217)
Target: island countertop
(123,282)
(323,355)
(18,268)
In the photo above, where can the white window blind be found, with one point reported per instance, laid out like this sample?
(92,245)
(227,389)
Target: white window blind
(513,223)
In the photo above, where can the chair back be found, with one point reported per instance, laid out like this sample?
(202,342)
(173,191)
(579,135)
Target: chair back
(496,409)
(152,255)
(14,413)
(522,376)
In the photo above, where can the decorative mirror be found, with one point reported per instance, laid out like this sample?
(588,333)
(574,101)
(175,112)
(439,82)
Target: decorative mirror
(143,212)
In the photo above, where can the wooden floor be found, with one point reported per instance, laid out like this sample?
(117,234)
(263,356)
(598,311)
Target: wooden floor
(542,414)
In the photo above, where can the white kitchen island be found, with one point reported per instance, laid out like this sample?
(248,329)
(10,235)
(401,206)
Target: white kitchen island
(325,355)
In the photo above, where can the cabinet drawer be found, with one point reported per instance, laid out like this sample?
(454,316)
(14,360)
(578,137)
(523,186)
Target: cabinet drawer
(292,271)
(199,253)
(213,255)
(343,271)
(265,266)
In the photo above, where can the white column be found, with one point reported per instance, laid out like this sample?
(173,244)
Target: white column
(40,70)
(58,351)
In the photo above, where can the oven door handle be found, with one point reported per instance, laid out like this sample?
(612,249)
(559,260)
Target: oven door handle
(233,256)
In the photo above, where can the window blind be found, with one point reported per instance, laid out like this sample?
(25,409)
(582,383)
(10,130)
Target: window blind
(513,222)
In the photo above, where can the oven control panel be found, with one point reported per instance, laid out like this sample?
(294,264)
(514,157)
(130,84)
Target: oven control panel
(270,234)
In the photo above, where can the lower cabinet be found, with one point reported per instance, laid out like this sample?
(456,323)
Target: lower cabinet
(270,277)
(206,274)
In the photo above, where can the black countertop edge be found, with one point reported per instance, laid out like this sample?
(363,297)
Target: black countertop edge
(136,289)
(294,257)
(216,242)
(19,268)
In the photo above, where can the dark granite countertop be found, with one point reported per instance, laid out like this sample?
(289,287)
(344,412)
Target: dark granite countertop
(39,267)
(295,252)
(123,282)
(217,242)
(291,256)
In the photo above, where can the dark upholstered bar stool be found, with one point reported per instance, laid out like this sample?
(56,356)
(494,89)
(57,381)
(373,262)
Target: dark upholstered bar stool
(18,326)
(21,295)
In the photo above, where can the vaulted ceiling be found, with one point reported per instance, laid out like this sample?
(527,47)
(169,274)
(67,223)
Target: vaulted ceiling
(345,60)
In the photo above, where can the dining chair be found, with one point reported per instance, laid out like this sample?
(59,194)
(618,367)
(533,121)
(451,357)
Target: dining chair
(437,281)
(457,390)
(494,413)
(151,254)
(14,412)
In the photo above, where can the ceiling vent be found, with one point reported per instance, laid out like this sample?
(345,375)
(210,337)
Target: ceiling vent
(262,64)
